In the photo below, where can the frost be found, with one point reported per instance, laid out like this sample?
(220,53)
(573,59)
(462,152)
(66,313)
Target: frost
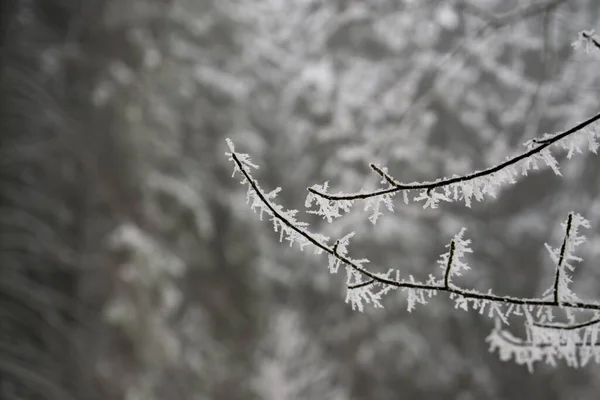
(550,161)
(553,330)
(576,347)
(284,221)
(585,41)
(291,365)
(452,261)
(374,203)
(342,249)
(432,198)
(475,185)
(363,294)
(328,209)
(243,158)
(418,296)
(563,259)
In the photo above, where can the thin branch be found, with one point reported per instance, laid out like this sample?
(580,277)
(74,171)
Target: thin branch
(540,141)
(335,246)
(449,265)
(425,97)
(383,174)
(480,296)
(569,327)
(404,284)
(563,250)
(399,186)
(591,39)
(302,232)
(361,284)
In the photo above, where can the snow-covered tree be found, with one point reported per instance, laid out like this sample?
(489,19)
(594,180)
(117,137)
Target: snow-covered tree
(291,365)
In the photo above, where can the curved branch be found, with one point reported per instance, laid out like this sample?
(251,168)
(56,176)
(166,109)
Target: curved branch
(561,260)
(449,265)
(397,186)
(374,279)
(481,296)
(591,39)
(569,327)
(302,232)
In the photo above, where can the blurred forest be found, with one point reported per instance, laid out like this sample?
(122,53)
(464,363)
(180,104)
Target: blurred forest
(131,267)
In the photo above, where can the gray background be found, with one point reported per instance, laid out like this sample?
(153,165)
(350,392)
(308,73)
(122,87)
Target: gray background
(130,265)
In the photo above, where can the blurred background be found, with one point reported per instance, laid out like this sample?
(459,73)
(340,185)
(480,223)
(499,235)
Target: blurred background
(131,267)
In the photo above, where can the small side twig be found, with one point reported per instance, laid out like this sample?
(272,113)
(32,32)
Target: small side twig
(397,186)
(559,266)
(375,279)
(591,39)
(569,327)
(383,174)
(449,265)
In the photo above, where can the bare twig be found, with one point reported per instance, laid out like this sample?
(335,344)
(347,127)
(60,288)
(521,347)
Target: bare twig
(567,327)
(591,39)
(449,265)
(383,174)
(563,249)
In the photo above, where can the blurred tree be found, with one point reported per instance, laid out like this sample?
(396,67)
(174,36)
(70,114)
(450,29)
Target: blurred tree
(121,168)
(291,365)
(52,209)
(441,94)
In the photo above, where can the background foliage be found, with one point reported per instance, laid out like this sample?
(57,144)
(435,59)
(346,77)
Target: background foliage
(130,267)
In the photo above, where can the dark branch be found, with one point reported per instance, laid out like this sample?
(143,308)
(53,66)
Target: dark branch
(479,296)
(569,327)
(449,265)
(563,250)
(362,284)
(399,186)
(383,174)
(542,345)
(374,279)
(302,232)
(591,39)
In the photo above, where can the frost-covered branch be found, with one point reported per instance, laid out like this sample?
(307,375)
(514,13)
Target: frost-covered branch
(569,327)
(482,182)
(472,185)
(546,339)
(449,265)
(364,286)
(592,39)
(561,259)
(587,40)
(450,261)
(305,236)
